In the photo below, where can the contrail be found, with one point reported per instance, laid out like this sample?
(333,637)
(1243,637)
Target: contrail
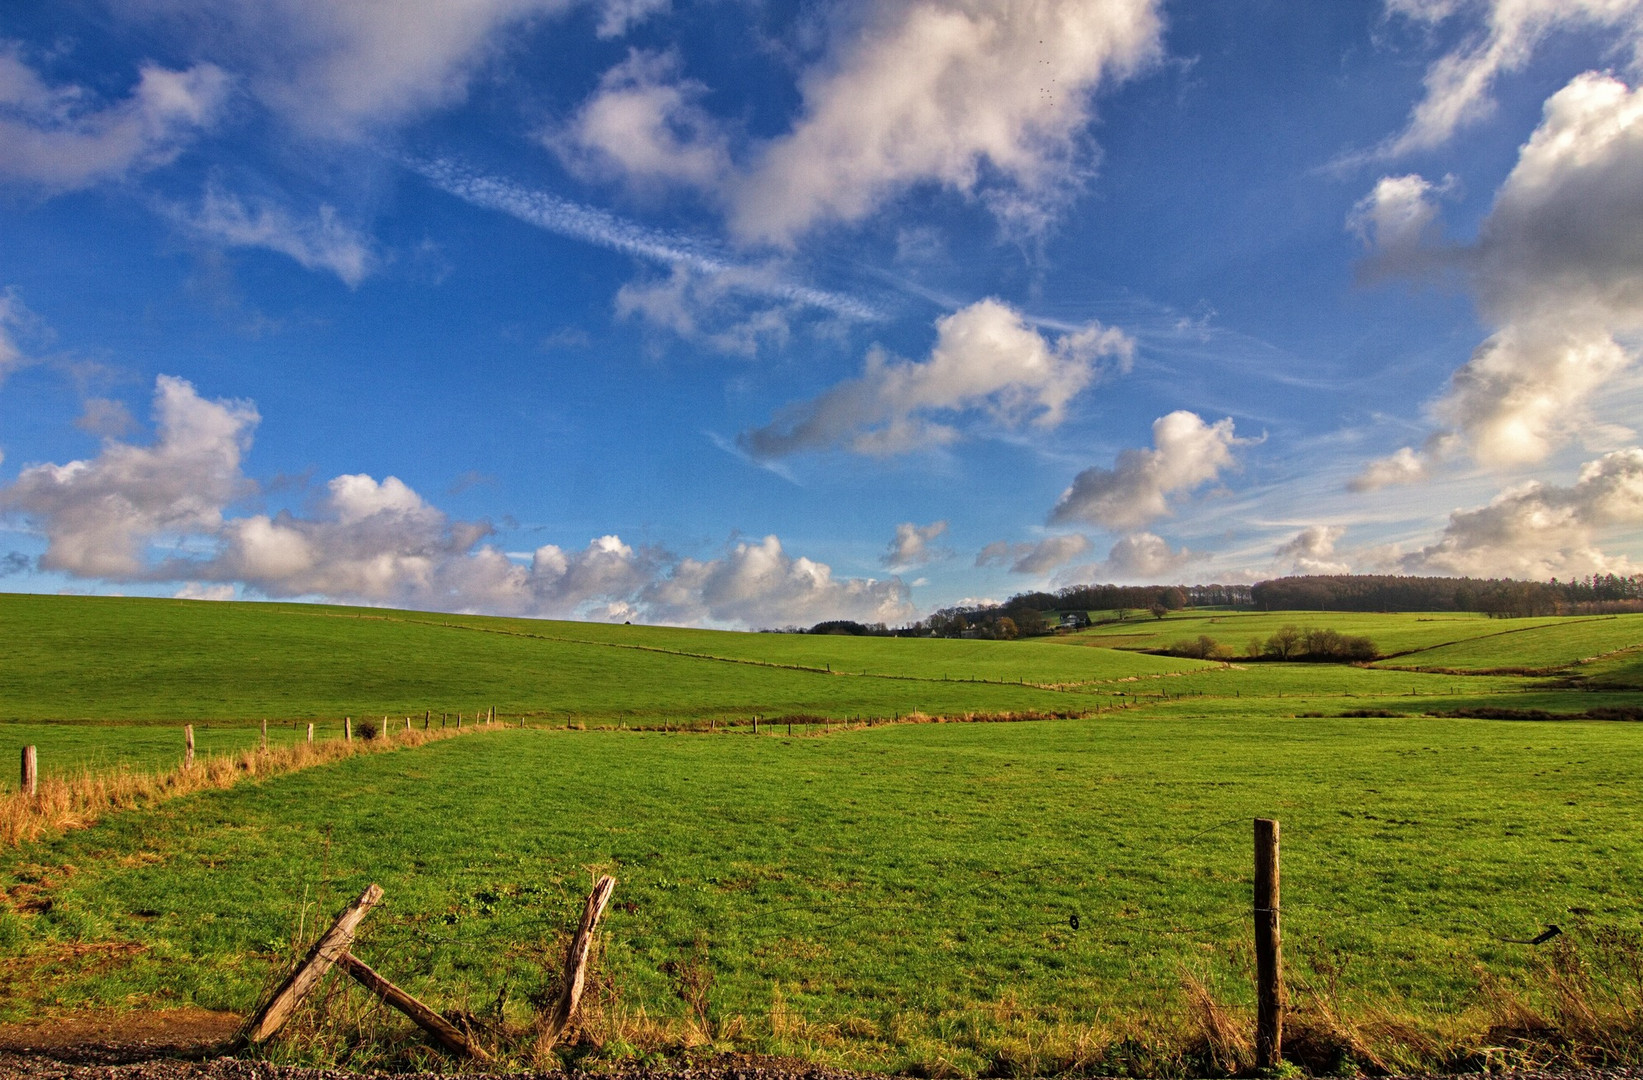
(594,226)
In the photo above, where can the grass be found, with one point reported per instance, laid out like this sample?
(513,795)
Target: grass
(892,897)
(842,912)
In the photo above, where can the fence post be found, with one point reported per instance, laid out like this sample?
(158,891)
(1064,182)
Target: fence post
(347,729)
(264,746)
(1269,969)
(188,744)
(31,772)
(310,733)
(755,725)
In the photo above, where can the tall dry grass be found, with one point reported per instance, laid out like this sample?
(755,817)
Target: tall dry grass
(75,801)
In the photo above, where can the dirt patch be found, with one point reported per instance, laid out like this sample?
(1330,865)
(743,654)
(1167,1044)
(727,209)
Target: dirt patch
(105,1037)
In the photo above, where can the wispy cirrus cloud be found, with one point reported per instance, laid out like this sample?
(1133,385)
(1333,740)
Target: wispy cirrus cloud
(603,229)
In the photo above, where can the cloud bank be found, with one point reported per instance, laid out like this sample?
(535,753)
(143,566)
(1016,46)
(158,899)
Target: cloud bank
(1556,270)
(160,513)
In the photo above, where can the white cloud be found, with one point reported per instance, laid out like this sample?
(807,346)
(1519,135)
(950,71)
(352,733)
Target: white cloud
(913,545)
(196,591)
(986,360)
(1460,84)
(759,584)
(158,513)
(1403,466)
(712,310)
(1312,551)
(322,242)
(340,68)
(646,124)
(98,516)
(14,316)
(1137,557)
(943,92)
(1535,530)
(63,137)
(1557,270)
(1034,558)
(1187,453)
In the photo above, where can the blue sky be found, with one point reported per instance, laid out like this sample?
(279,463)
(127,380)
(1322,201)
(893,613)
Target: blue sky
(753,314)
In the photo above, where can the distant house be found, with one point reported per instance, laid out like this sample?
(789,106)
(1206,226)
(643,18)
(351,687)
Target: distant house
(1074,620)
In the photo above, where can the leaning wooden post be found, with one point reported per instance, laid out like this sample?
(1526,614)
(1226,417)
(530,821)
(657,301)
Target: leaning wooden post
(188,744)
(446,1033)
(576,964)
(326,951)
(30,784)
(1269,968)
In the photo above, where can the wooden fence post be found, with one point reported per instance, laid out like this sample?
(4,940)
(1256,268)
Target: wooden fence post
(326,951)
(427,714)
(755,725)
(1269,969)
(347,729)
(188,744)
(310,733)
(264,746)
(576,964)
(31,772)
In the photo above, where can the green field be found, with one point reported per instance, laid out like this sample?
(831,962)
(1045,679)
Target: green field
(892,897)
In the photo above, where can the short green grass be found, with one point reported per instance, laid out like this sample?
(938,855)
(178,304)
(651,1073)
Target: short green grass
(1555,645)
(894,897)
(906,891)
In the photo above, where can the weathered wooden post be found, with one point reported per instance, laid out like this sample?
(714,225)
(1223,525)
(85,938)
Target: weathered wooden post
(264,746)
(310,733)
(326,951)
(347,729)
(30,784)
(755,724)
(1269,971)
(576,964)
(188,744)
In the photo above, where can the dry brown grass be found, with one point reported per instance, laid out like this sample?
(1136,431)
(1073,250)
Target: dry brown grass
(76,801)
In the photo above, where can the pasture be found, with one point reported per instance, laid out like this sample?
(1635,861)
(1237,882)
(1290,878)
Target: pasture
(895,896)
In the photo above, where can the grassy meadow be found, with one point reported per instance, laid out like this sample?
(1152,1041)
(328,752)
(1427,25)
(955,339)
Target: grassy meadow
(898,896)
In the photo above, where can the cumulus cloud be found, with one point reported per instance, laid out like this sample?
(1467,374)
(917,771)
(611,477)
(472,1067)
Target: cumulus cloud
(1557,271)
(1535,530)
(646,124)
(759,584)
(1137,557)
(65,137)
(617,16)
(160,513)
(1034,558)
(99,516)
(1187,453)
(1312,551)
(338,68)
(946,92)
(986,361)
(1459,85)
(716,310)
(914,545)
(1403,466)
(321,242)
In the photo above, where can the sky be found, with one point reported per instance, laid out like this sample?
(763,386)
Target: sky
(753,314)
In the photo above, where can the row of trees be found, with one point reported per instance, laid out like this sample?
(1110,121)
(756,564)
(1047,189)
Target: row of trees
(1500,597)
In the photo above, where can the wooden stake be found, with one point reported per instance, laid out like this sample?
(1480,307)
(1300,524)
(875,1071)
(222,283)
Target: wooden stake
(576,964)
(347,729)
(30,784)
(310,733)
(188,744)
(326,951)
(444,1032)
(265,736)
(1269,972)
